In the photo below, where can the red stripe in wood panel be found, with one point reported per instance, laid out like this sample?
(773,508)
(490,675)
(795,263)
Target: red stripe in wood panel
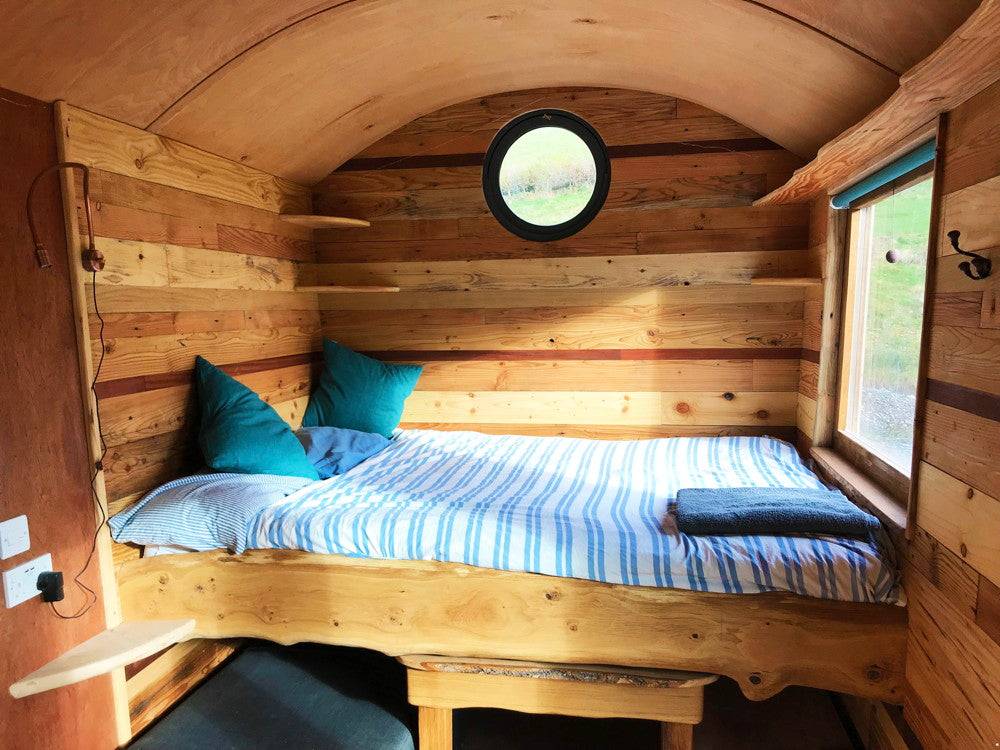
(811,354)
(675,148)
(980,403)
(125,386)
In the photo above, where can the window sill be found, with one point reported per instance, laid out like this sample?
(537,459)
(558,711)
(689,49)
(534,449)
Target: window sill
(861,489)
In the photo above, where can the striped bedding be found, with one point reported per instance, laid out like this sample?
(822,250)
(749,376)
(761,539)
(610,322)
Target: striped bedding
(569,507)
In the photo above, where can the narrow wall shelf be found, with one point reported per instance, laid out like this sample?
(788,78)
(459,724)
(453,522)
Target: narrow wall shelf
(127,643)
(342,289)
(324,222)
(786,281)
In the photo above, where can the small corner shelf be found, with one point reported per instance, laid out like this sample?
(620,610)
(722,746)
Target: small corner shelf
(345,289)
(786,281)
(324,222)
(127,643)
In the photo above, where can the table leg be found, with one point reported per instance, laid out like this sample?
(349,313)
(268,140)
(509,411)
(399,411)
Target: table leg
(675,736)
(434,728)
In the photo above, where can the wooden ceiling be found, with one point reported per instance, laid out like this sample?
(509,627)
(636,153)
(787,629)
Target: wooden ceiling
(297,87)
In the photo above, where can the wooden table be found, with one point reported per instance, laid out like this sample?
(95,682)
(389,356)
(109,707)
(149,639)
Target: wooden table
(439,684)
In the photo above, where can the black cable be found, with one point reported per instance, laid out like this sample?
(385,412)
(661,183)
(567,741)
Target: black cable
(92,597)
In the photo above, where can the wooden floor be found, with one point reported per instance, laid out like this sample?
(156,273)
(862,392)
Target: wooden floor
(796,719)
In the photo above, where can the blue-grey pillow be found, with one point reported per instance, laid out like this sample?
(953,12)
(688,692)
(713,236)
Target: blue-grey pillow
(335,450)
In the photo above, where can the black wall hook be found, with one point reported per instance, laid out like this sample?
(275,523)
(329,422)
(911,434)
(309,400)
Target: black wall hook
(979,267)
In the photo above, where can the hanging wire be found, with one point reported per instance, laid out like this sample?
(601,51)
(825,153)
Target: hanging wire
(98,466)
(93,261)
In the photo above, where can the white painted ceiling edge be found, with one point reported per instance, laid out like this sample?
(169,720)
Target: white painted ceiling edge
(299,89)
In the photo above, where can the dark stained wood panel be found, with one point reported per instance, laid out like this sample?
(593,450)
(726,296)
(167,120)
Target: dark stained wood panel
(46,463)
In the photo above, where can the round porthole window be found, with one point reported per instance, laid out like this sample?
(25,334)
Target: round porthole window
(546,175)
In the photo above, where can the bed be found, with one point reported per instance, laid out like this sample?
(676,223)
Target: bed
(550,549)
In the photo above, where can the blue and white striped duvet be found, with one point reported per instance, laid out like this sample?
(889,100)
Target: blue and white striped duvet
(568,507)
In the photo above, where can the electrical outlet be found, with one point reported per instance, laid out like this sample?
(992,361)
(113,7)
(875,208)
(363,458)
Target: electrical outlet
(14,537)
(21,583)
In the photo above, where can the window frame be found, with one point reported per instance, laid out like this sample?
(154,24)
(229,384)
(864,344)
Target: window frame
(502,142)
(894,482)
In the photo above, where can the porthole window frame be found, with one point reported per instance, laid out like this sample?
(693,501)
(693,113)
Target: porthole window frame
(507,136)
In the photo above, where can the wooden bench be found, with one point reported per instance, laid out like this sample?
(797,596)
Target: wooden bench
(439,684)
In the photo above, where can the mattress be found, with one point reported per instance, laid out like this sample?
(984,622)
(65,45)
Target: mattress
(568,507)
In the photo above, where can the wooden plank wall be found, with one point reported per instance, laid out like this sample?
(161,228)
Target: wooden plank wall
(643,324)
(953,575)
(197,263)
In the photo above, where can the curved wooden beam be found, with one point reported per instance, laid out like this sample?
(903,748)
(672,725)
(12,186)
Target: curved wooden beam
(304,100)
(964,65)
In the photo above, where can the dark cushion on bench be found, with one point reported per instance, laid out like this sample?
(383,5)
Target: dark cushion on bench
(296,697)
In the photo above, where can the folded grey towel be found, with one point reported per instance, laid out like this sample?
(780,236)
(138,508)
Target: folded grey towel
(778,511)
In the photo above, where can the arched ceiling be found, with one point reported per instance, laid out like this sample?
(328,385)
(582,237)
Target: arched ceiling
(297,87)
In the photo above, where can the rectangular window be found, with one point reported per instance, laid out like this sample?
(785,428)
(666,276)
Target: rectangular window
(883,319)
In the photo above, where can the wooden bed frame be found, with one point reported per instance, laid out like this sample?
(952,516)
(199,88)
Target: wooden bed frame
(765,642)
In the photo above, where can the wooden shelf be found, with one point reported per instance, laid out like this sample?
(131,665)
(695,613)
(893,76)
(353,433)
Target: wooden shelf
(127,643)
(342,289)
(786,281)
(324,222)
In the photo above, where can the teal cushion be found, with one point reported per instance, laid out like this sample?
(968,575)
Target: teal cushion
(241,434)
(359,393)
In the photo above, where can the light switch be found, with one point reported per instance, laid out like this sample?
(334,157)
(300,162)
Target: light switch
(21,583)
(14,537)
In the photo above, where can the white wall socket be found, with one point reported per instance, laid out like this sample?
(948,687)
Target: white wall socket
(14,537)
(21,583)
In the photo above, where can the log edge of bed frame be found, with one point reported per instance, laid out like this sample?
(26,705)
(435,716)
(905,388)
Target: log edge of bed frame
(765,642)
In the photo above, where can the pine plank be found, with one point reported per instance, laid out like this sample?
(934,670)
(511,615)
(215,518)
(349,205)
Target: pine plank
(988,609)
(965,356)
(158,686)
(973,144)
(255,242)
(141,465)
(634,169)
(623,272)
(648,375)
(103,653)
(964,445)
(722,190)
(114,299)
(634,408)
(963,519)
(954,668)
(604,431)
(809,379)
(944,570)
(805,414)
(121,325)
(142,196)
(680,295)
(150,355)
(971,210)
(561,335)
(115,147)
(147,264)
